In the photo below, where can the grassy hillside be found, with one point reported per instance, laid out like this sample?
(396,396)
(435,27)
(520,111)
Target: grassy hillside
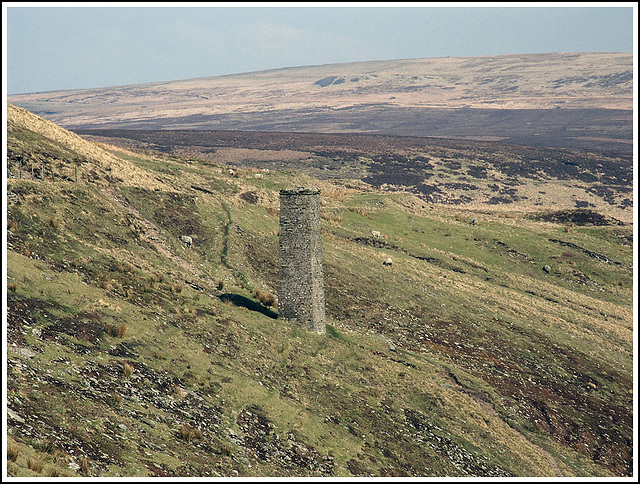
(131,354)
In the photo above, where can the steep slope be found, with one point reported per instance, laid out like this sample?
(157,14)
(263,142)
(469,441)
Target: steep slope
(563,99)
(131,354)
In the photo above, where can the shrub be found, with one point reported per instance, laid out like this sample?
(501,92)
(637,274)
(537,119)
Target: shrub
(12,452)
(13,225)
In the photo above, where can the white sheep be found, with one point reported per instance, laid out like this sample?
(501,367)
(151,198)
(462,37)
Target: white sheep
(387,262)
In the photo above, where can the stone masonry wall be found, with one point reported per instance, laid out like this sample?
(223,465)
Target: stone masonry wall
(300,285)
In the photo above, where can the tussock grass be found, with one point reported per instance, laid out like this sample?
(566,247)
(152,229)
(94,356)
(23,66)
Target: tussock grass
(127,369)
(13,452)
(35,464)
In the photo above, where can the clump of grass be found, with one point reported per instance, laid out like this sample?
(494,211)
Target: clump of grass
(13,452)
(53,223)
(266,298)
(189,432)
(178,391)
(13,225)
(12,286)
(127,369)
(47,446)
(26,251)
(176,288)
(226,449)
(84,466)
(220,285)
(156,277)
(567,228)
(35,465)
(360,211)
(115,331)
(117,399)
(332,218)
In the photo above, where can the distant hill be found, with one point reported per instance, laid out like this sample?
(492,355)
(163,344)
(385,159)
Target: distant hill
(557,99)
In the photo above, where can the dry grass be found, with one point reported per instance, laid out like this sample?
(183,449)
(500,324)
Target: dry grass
(35,465)
(178,391)
(189,432)
(121,331)
(266,298)
(127,369)
(84,466)
(13,452)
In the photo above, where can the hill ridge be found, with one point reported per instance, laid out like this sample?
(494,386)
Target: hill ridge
(563,99)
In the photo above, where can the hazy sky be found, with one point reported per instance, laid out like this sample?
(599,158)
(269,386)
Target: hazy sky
(71,46)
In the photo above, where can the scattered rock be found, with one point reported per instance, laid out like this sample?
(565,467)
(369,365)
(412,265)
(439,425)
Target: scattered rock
(187,240)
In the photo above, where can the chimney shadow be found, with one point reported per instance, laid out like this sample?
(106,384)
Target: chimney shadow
(245,302)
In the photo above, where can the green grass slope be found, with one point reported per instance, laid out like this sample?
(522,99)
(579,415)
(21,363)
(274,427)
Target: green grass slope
(131,354)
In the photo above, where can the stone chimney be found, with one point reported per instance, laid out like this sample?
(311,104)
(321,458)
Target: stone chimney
(300,285)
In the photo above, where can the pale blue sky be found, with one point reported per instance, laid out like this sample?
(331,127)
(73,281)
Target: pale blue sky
(72,47)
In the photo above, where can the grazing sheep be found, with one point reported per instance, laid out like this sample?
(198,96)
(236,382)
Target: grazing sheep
(258,175)
(187,240)
(547,269)
(376,234)
(231,171)
(387,262)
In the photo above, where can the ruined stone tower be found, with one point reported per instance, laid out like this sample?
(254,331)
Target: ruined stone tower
(300,286)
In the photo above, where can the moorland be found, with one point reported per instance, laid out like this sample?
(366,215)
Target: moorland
(562,100)
(499,342)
